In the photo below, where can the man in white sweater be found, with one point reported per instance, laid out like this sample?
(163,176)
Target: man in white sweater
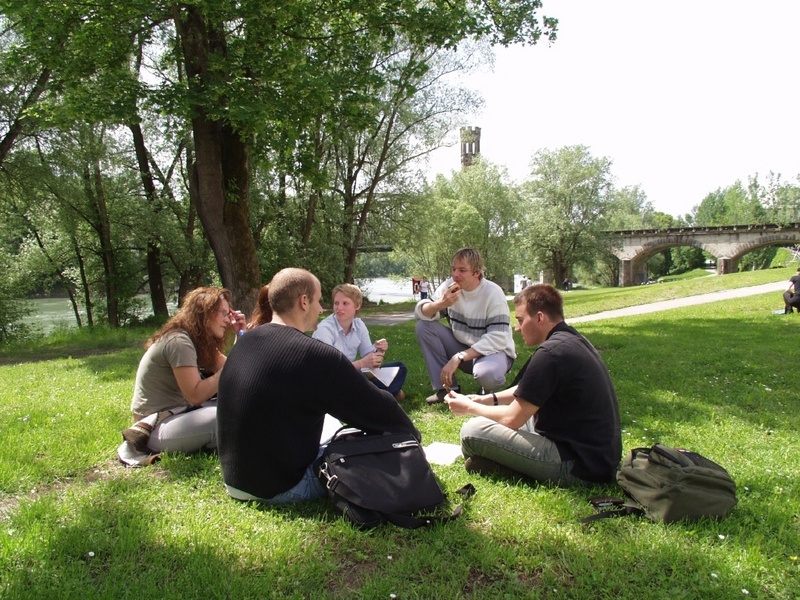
(478,341)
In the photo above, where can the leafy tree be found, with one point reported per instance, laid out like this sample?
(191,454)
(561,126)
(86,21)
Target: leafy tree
(628,208)
(251,73)
(568,193)
(442,226)
(486,188)
(374,154)
(780,199)
(734,205)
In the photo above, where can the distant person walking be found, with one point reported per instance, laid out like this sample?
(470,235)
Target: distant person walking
(423,288)
(791,297)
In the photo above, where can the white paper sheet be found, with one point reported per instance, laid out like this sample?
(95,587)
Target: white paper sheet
(385,375)
(329,427)
(441,453)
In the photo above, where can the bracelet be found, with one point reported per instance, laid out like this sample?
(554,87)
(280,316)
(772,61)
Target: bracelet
(494,398)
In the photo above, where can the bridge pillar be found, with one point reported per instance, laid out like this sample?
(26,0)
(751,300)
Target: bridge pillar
(625,272)
(631,272)
(726,265)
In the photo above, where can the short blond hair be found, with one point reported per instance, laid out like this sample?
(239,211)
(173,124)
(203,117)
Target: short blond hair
(472,257)
(351,291)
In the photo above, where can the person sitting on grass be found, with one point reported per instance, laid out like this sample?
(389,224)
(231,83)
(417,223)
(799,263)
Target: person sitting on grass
(178,375)
(277,387)
(348,334)
(559,422)
(478,341)
(791,297)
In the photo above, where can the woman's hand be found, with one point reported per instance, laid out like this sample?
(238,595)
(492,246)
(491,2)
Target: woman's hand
(238,321)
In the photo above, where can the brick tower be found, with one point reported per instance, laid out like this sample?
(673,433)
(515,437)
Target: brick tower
(470,145)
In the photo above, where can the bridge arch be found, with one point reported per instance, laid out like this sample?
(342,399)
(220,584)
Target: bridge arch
(726,243)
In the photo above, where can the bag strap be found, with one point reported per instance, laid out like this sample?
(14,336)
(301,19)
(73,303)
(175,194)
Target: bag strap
(609,507)
(466,491)
(415,522)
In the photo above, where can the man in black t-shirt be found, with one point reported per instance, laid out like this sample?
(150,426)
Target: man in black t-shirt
(791,297)
(559,422)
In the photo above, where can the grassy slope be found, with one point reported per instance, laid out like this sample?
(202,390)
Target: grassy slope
(719,379)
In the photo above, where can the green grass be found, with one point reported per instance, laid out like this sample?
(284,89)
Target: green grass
(579,302)
(719,379)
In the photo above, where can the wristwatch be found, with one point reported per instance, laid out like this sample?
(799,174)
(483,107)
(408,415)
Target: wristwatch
(461,356)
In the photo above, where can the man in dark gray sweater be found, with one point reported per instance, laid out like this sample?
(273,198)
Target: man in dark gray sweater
(275,390)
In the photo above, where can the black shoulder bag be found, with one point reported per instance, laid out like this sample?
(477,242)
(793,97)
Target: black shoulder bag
(374,478)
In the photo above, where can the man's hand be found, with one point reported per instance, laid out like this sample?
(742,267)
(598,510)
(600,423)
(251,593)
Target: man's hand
(459,404)
(451,295)
(372,360)
(448,371)
(382,345)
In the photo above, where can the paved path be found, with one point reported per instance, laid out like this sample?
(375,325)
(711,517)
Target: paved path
(775,287)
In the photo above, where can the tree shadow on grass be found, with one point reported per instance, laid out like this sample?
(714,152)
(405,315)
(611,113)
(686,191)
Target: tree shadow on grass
(180,536)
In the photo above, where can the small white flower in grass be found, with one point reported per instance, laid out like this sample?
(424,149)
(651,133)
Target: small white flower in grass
(745,592)
(392,596)
(389,557)
(721,536)
(714,576)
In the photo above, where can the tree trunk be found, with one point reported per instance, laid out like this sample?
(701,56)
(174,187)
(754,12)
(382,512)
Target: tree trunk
(102,226)
(155,278)
(15,129)
(87,294)
(222,164)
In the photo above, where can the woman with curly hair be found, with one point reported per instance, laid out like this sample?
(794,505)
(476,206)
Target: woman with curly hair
(174,398)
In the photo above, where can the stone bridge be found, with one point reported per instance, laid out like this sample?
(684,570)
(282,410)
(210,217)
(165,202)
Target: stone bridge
(726,243)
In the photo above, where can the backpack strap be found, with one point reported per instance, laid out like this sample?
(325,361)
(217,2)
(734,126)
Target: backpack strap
(609,507)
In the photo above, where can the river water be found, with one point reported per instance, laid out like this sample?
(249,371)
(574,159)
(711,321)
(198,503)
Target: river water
(51,313)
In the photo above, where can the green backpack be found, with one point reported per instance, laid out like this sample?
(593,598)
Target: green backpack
(669,484)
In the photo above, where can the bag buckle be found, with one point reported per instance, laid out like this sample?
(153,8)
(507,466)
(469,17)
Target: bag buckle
(329,478)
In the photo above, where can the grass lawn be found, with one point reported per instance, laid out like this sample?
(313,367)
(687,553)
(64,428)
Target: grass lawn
(719,379)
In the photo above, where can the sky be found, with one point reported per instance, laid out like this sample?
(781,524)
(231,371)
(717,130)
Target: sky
(685,97)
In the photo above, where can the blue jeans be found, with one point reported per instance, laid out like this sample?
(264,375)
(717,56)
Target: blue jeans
(308,488)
